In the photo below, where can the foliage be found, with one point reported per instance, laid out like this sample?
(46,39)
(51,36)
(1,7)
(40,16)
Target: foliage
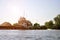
(49,24)
(43,27)
(36,26)
(15,24)
(6,24)
(57,21)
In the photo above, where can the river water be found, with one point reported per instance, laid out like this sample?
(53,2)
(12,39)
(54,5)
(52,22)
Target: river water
(29,34)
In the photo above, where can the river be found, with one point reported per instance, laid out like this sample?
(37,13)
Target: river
(29,34)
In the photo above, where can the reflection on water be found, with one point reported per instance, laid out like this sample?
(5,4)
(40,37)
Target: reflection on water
(29,35)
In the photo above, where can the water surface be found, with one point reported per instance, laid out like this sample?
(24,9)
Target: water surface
(29,34)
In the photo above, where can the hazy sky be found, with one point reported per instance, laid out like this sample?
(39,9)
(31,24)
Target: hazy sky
(34,10)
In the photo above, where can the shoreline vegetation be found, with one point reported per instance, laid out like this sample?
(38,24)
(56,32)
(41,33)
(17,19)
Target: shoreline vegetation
(24,24)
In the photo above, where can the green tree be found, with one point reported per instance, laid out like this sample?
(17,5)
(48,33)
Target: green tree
(43,27)
(36,26)
(15,24)
(49,24)
(57,21)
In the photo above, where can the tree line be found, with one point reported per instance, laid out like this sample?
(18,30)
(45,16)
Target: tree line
(23,23)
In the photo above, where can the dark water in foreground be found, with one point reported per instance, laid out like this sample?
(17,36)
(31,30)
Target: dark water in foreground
(29,34)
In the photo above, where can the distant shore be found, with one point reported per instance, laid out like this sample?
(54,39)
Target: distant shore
(19,28)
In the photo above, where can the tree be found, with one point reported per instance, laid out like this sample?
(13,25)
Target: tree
(57,21)
(43,27)
(49,24)
(6,24)
(15,24)
(36,26)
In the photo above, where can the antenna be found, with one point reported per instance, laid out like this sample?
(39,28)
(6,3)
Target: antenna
(24,14)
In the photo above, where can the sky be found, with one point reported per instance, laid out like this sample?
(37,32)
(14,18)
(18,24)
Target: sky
(38,11)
